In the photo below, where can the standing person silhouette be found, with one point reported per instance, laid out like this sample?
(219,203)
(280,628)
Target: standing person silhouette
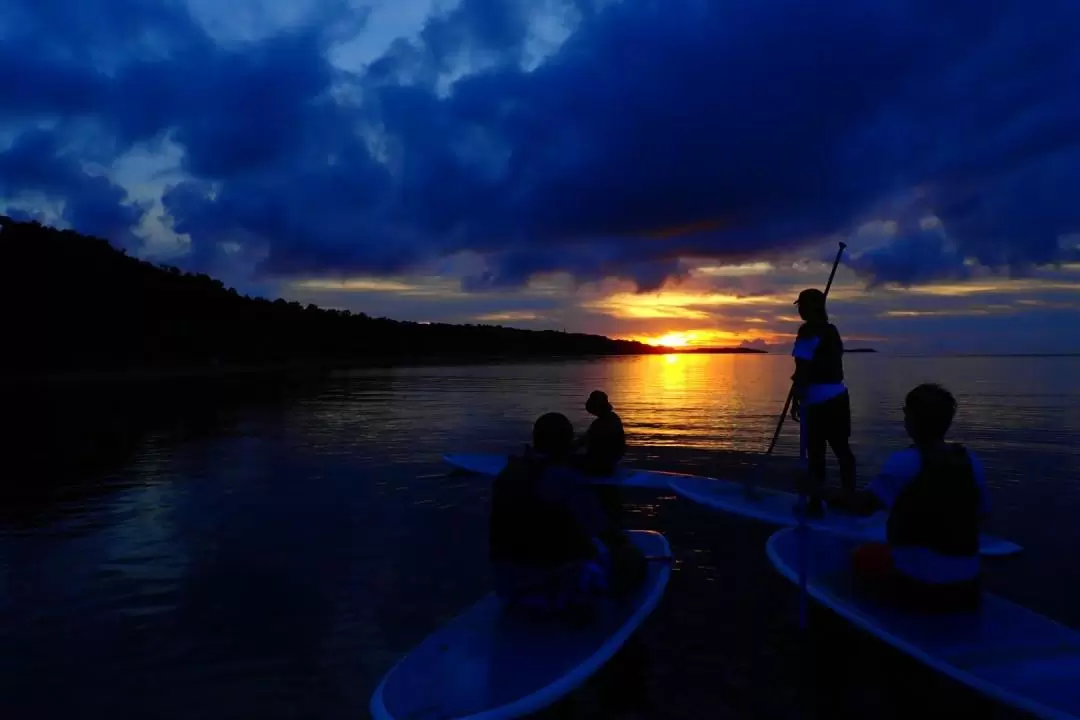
(821,402)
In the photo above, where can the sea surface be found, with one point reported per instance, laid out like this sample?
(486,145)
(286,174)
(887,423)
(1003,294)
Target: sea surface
(269,547)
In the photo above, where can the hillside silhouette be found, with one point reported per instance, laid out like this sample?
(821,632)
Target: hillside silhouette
(73,303)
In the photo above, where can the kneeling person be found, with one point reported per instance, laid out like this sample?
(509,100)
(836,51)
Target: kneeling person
(552,546)
(935,493)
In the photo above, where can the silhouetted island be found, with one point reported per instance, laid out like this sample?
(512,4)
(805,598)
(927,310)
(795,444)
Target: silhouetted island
(859,350)
(722,351)
(74,303)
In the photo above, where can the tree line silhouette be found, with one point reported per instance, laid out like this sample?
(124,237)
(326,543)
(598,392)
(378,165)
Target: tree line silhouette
(73,302)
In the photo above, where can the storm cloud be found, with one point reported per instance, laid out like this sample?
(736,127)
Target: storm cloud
(654,131)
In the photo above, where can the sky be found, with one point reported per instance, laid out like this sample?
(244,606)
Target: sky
(669,171)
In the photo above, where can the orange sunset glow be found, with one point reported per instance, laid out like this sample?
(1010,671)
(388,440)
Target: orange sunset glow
(671,340)
(705,338)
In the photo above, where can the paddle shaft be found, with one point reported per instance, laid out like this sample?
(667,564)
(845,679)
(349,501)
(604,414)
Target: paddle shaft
(791,392)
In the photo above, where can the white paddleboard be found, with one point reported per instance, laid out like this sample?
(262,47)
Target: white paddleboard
(1002,650)
(490,464)
(778,507)
(490,664)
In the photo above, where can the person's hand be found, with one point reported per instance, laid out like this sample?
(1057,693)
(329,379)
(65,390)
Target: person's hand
(796,410)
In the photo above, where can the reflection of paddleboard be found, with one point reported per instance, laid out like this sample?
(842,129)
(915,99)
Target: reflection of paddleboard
(1004,650)
(628,477)
(490,664)
(776,506)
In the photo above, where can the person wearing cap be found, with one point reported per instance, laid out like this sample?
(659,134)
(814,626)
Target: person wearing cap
(821,401)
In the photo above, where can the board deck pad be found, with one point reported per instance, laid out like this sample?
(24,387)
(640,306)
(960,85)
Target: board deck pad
(491,664)
(778,507)
(1003,650)
(492,464)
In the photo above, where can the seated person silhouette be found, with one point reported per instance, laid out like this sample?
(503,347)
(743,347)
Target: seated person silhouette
(553,549)
(604,446)
(935,493)
(605,442)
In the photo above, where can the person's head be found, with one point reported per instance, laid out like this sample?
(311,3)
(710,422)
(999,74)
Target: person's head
(597,404)
(553,435)
(928,413)
(811,302)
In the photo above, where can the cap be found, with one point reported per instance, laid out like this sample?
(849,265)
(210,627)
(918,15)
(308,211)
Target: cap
(810,296)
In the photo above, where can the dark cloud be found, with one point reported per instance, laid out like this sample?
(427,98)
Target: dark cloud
(764,125)
(920,257)
(590,262)
(34,164)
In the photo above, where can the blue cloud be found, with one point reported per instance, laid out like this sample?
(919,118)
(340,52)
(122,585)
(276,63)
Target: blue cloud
(765,125)
(34,163)
(912,259)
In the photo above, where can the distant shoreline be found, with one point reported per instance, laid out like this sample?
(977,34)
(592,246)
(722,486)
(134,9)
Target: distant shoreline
(320,368)
(305,369)
(714,351)
(313,368)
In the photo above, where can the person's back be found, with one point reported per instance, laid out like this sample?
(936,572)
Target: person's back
(533,521)
(606,442)
(546,524)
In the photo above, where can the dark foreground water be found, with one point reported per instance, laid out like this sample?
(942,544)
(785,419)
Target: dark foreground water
(269,548)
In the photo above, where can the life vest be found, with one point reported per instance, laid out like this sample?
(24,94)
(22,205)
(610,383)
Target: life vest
(827,363)
(939,508)
(525,527)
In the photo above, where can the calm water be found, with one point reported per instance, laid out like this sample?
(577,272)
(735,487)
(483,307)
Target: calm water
(270,550)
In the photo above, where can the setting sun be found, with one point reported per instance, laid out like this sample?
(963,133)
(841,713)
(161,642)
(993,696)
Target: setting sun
(704,338)
(672,340)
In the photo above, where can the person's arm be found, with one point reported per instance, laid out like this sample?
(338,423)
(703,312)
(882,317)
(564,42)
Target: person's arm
(806,343)
(799,382)
(898,469)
